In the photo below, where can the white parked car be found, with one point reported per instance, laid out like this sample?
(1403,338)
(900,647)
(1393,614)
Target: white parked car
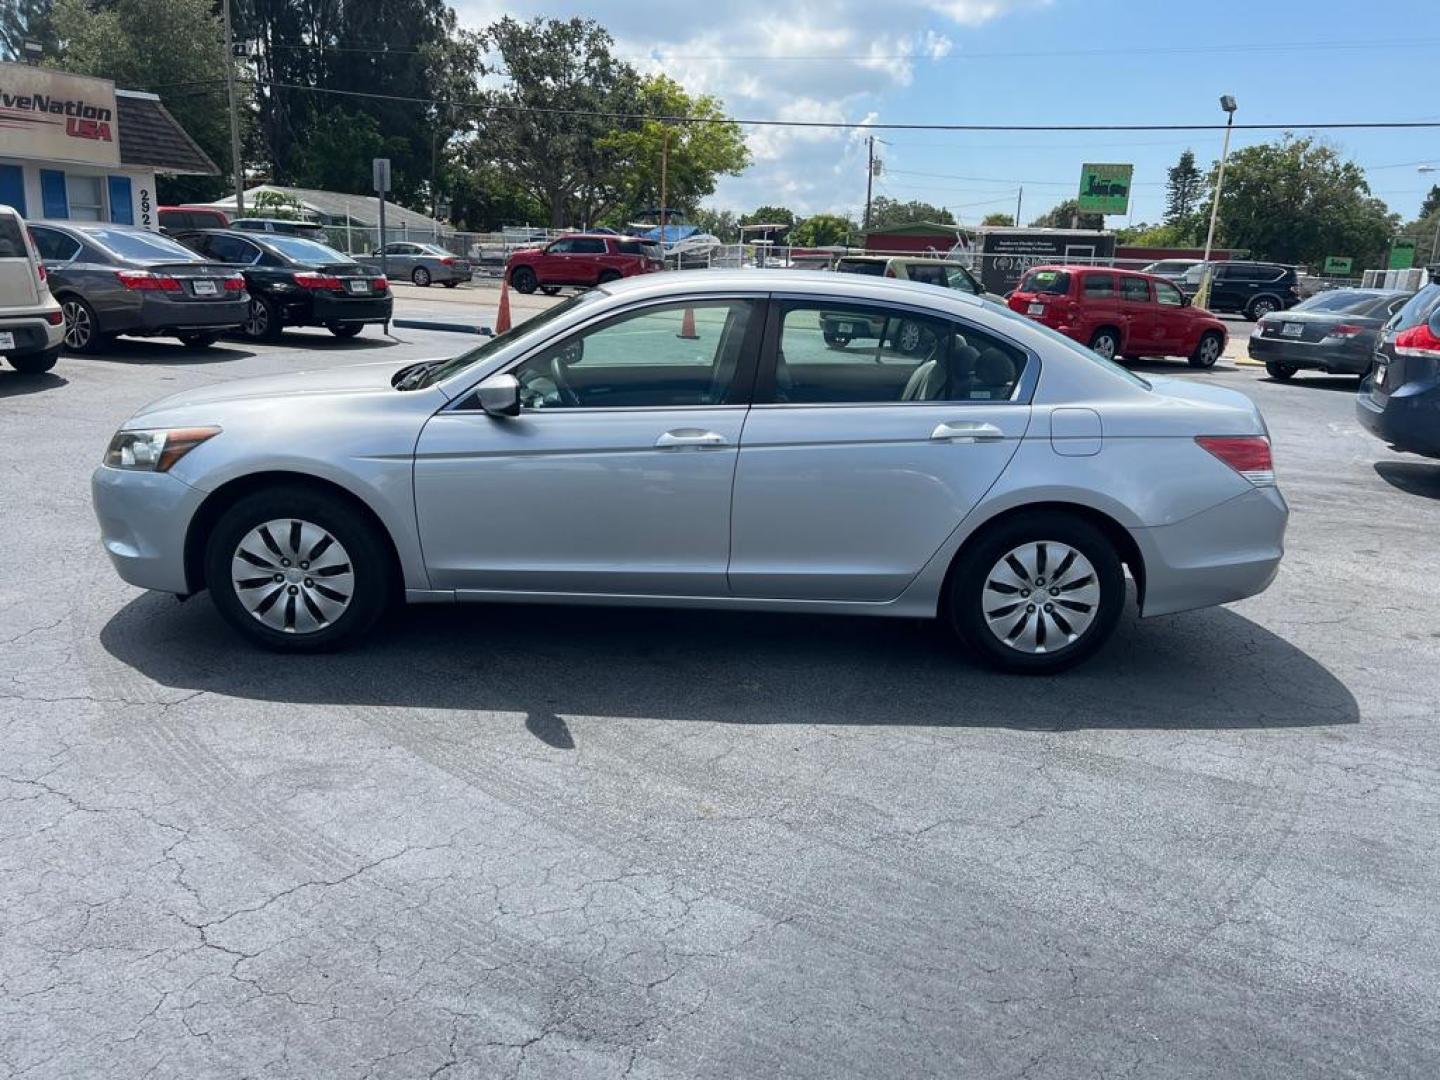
(32,326)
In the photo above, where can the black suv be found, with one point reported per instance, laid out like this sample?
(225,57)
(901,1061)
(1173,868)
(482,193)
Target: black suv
(1253,289)
(1400,402)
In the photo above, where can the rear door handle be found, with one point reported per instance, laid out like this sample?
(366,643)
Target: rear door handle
(966,432)
(695,437)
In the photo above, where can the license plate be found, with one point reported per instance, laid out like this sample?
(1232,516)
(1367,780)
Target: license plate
(1292,329)
(1035,309)
(358,286)
(1379,374)
(204,288)
(7,339)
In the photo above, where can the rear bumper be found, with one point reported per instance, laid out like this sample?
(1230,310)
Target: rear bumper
(1342,357)
(319,310)
(143,519)
(32,335)
(157,316)
(1409,422)
(1226,553)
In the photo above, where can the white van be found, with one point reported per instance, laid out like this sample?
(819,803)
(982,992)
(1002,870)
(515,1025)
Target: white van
(32,329)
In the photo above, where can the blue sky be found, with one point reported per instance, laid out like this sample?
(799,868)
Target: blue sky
(1029,62)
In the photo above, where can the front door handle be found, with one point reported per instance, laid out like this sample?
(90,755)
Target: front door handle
(689,437)
(966,432)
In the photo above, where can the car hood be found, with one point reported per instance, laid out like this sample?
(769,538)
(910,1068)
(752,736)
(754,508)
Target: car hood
(348,380)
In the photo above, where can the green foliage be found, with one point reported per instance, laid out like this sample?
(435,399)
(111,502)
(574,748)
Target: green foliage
(484,200)
(769,215)
(1431,203)
(885,212)
(1184,190)
(22,21)
(821,230)
(170,46)
(276,204)
(341,146)
(1297,201)
(1161,235)
(1065,215)
(719,223)
(1423,231)
(999,220)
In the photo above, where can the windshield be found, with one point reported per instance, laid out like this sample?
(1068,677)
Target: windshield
(1070,345)
(457,364)
(143,246)
(1046,281)
(306,251)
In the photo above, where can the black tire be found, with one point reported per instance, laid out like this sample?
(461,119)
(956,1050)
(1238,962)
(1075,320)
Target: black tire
(36,363)
(262,321)
(607,276)
(550,290)
(1281,372)
(420,276)
(1207,350)
(368,557)
(1106,342)
(964,600)
(1260,307)
(198,341)
(344,329)
(524,279)
(450,284)
(82,328)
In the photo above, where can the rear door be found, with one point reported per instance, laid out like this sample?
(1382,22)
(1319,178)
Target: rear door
(1100,305)
(19,278)
(590,255)
(858,463)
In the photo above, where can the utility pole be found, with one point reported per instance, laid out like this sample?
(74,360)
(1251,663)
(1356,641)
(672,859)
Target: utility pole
(1228,104)
(236,164)
(1019,198)
(869,179)
(664,177)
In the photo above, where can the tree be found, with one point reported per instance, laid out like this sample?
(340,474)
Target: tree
(1431,203)
(22,21)
(1064,215)
(821,230)
(885,212)
(185,64)
(1297,201)
(276,204)
(719,223)
(769,215)
(1161,236)
(1000,220)
(1183,192)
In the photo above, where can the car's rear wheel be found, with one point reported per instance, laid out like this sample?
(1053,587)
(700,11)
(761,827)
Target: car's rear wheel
(420,276)
(1106,343)
(524,279)
(909,337)
(1280,372)
(36,363)
(1208,350)
(262,321)
(450,284)
(198,341)
(344,329)
(1260,307)
(1037,593)
(297,570)
(82,329)
(550,290)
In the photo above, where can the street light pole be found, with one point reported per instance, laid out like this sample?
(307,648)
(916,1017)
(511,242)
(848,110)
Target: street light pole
(1228,104)
(869,179)
(235,162)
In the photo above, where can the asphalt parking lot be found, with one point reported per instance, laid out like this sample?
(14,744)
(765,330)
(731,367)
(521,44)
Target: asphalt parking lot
(548,843)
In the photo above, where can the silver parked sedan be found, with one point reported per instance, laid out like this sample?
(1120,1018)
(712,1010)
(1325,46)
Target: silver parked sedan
(421,263)
(691,439)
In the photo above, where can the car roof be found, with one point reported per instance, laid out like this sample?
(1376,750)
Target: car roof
(824,283)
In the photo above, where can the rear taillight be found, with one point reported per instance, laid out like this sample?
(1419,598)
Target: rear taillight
(1249,455)
(380,284)
(1346,330)
(145,281)
(1417,341)
(40,271)
(54,318)
(448,261)
(309,279)
(234,284)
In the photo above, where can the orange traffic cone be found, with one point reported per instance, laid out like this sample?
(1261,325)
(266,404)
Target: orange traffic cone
(502,320)
(687,326)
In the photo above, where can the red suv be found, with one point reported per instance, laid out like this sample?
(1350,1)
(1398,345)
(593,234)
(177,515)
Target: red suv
(581,260)
(1120,312)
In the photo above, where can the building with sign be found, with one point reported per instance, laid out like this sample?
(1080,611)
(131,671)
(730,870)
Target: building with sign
(76,148)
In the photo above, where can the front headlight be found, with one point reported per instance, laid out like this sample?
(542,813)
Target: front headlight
(154,451)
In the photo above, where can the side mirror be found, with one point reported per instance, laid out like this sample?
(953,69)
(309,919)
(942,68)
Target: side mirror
(499,395)
(1184,300)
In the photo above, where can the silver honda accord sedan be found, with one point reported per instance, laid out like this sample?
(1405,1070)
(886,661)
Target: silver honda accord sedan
(694,440)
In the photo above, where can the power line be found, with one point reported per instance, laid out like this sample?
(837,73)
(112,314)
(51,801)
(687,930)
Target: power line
(848,125)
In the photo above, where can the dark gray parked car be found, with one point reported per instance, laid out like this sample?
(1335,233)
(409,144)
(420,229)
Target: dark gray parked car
(420,263)
(1336,332)
(118,279)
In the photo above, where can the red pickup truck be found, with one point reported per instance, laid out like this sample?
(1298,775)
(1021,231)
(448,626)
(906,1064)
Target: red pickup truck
(581,260)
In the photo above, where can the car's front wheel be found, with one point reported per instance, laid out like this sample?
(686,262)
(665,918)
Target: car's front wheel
(297,570)
(1208,350)
(198,341)
(1037,592)
(344,329)
(524,279)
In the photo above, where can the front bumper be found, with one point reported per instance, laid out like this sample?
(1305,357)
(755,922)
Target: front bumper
(143,519)
(1406,421)
(1226,553)
(1341,357)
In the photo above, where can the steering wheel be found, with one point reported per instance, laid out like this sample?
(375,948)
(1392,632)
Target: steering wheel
(558,363)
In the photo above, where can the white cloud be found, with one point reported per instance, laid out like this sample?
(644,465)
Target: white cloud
(818,60)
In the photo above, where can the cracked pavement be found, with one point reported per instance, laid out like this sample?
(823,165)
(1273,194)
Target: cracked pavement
(501,843)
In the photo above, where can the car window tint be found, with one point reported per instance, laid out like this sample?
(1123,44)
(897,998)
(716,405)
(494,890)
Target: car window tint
(1418,309)
(560,247)
(142,246)
(1134,289)
(926,274)
(12,241)
(1053,282)
(957,278)
(629,247)
(672,355)
(588,246)
(230,249)
(52,245)
(306,251)
(1097,286)
(835,354)
(859,266)
(1167,294)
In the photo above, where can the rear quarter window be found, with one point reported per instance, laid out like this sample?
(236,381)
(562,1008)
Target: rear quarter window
(629,247)
(12,240)
(1417,310)
(855,266)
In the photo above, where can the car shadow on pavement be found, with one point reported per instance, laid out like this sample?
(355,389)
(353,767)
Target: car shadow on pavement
(1411,477)
(14,384)
(324,340)
(1349,384)
(162,351)
(1211,670)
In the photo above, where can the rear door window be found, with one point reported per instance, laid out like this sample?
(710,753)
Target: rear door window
(54,246)
(860,266)
(1098,286)
(927,275)
(1052,282)
(588,246)
(231,249)
(12,240)
(1134,289)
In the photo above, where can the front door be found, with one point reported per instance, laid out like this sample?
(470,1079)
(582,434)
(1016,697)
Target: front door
(865,456)
(616,476)
(1141,319)
(1177,322)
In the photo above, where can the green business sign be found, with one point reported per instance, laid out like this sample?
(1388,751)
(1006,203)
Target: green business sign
(1335,264)
(1105,189)
(1402,254)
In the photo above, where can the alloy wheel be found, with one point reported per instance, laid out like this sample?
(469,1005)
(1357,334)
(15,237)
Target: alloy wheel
(292,576)
(257,320)
(909,337)
(78,327)
(1209,351)
(1105,345)
(1041,597)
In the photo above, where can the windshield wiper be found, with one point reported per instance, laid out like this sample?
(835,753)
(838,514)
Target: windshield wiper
(413,376)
